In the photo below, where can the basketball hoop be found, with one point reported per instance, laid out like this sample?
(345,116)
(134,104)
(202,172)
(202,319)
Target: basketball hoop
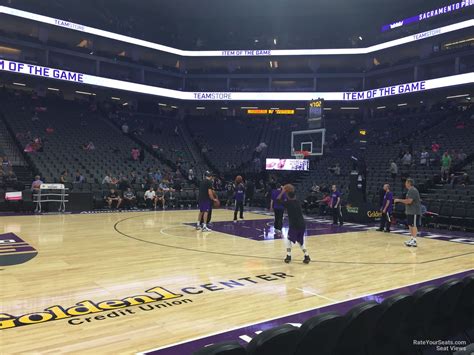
(309,142)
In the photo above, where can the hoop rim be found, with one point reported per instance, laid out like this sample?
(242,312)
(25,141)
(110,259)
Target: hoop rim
(300,154)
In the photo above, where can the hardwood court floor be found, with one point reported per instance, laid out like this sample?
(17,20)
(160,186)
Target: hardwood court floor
(111,257)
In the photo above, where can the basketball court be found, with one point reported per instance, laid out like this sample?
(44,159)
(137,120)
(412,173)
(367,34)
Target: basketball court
(146,281)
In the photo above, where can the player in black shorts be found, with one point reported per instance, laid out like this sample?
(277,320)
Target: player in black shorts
(412,204)
(278,209)
(205,200)
(335,205)
(239,197)
(297,228)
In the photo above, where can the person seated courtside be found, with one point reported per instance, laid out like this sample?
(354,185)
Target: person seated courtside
(114,197)
(150,198)
(129,199)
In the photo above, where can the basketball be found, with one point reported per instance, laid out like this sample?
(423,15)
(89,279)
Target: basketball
(289,188)
(238,179)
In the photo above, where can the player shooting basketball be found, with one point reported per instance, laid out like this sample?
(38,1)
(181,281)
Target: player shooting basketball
(297,228)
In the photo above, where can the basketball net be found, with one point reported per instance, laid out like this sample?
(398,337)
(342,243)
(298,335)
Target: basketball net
(301,154)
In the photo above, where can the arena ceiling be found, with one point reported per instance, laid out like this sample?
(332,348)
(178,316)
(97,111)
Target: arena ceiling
(225,24)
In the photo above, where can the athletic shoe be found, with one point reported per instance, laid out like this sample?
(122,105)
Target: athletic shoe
(341,224)
(411,243)
(306,259)
(235,221)
(379,230)
(386,231)
(198,227)
(205,229)
(288,259)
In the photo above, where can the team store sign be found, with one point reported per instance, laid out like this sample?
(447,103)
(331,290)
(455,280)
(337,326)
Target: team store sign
(81,78)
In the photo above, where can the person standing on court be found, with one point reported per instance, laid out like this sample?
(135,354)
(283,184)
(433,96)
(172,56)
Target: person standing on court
(239,197)
(205,199)
(297,224)
(277,208)
(386,209)
(209,215)
(249,192)
(335,206)
(412,204)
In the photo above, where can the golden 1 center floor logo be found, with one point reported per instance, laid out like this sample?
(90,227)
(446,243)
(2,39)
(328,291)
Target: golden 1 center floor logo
(156,298)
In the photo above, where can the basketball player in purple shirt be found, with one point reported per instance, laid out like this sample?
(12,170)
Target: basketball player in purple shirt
(335,205)
(297,227)
(386,209)
(239,196)
(277,208)
(206,197)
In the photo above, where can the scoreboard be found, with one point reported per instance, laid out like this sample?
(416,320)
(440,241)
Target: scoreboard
(315,114)
(287,164)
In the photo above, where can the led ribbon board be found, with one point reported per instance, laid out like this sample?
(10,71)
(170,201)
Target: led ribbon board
(270,112)
(80,78)
(429,14)
(233,53)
